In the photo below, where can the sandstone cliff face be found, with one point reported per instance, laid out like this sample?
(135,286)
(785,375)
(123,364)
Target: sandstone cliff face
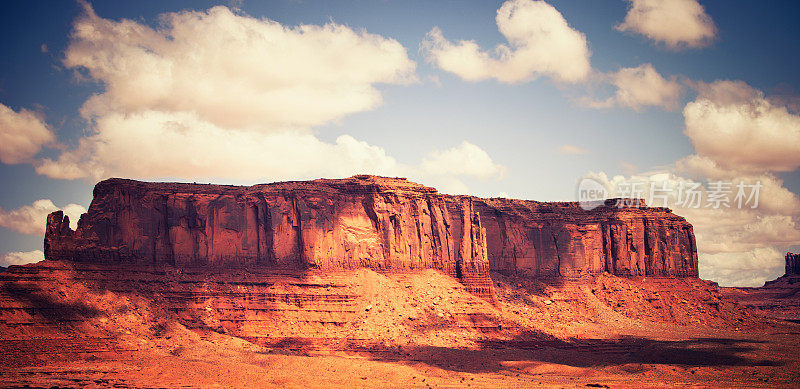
(562,239)
(792,264)
(370,222)
(360,222)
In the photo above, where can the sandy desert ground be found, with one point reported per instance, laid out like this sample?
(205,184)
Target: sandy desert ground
(70,325)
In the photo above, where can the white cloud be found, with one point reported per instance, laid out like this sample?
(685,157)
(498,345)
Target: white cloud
(448,185)
(740,136)
(571,150)
(223,97)
(22,257)
(541,42)
(738,128)
(676,23)
(733,230)
(210,153)
(747,268)
(218,95)
(777,199)
(464,160)
(697,166)
(640,87)
(235,71)
(22,135)
(31,219)
(181,145)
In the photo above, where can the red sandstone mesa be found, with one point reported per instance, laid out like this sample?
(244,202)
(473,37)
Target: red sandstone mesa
(368,222)
(563,239)
(361,222)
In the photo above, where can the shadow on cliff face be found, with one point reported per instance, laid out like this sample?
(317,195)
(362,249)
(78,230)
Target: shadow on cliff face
(627,353)
(45,304)
(530,285)
(533,284)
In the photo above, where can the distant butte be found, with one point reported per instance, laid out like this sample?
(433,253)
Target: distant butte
(792,264)
(779,298)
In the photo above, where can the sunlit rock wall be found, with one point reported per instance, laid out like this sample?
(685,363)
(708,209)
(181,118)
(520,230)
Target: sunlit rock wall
(562,239)
(362,222)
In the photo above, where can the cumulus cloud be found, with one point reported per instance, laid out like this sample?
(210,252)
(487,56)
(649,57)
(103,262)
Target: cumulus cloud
(737,245)
(571,150)
(738,128)
(180,144)
(777,199)
(210,153)
(740,137)
(540,42)
(640,87)
(676,23)
(22,135)
(22,258)
(235,71)
(696,166)
(747,268)
(218,95)
(464,160)
(31,219)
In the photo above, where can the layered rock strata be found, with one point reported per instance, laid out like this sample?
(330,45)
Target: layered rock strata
(272,307)
(383,224)
(563,239)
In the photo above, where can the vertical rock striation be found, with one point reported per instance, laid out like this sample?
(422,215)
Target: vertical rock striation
(362,222)
(792,264)
(562,239)
(385,224)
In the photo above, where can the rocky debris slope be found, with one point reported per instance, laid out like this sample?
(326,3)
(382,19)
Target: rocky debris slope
(93,311)
(563,239)
(350,309)
(69,324)
(66,323)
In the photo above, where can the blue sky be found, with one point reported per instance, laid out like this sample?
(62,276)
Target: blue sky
(506,129)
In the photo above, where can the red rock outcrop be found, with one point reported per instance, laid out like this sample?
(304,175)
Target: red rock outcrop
(792,264)
(563,239)
(361,222)
(385,224)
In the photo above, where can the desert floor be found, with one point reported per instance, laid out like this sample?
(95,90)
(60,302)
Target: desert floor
(68,327)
